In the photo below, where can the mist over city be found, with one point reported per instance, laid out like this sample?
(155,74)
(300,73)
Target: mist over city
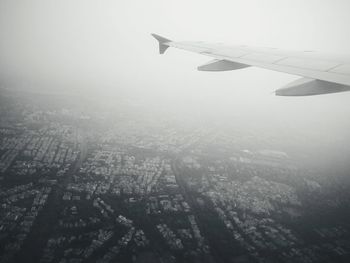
(110,152)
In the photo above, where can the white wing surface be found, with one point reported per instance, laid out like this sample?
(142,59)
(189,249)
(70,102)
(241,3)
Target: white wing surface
(320,74)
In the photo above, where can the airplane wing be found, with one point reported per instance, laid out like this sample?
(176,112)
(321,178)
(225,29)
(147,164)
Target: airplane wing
(320,74)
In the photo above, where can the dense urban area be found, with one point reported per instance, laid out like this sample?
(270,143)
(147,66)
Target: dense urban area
(77,186)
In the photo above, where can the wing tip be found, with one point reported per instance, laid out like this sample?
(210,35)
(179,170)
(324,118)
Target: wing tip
(162,43)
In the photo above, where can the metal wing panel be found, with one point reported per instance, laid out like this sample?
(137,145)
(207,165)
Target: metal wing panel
(297,63)
(262,57)
(313,64)
(342,69)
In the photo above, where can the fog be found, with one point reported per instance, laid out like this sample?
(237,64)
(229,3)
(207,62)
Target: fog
(102,50)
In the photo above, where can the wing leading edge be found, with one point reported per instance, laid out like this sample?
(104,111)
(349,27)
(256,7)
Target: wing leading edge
(319,75)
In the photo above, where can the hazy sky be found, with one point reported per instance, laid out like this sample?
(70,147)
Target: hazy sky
(105,46)
(105,43)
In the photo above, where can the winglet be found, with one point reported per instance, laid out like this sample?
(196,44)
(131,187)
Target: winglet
(162,43)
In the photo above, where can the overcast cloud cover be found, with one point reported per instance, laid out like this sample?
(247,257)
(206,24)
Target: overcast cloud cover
(104,47)
(107,42)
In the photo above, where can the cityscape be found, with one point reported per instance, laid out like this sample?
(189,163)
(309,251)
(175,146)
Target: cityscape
(78,187)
